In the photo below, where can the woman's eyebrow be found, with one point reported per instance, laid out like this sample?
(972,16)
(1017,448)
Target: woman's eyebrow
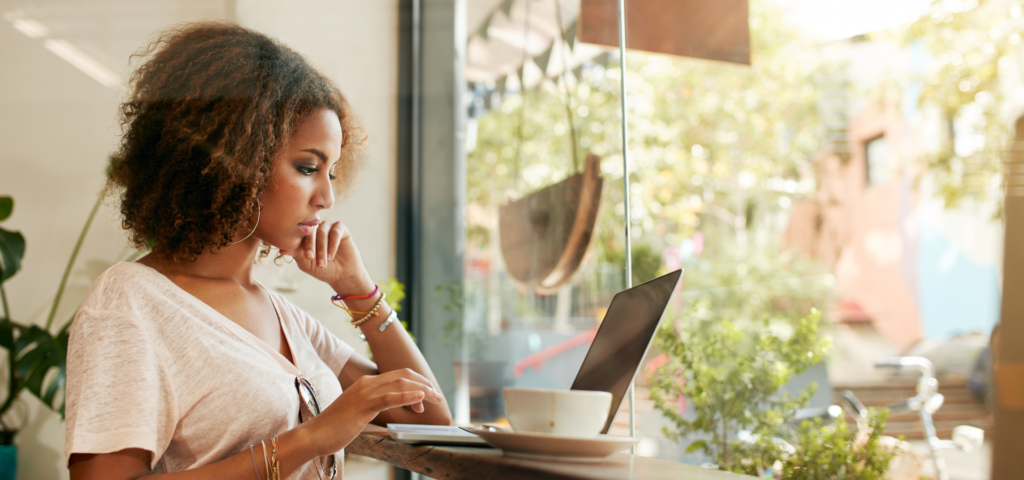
(318,153)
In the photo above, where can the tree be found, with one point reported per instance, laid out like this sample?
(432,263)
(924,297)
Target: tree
(710,142)
(973,44)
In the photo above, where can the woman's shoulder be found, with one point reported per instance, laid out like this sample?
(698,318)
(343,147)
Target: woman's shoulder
(121,285)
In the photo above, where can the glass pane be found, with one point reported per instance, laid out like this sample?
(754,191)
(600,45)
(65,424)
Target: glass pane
(544,249)
(751,176)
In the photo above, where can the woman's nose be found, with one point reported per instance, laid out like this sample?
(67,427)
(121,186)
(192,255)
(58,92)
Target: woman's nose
(325,197)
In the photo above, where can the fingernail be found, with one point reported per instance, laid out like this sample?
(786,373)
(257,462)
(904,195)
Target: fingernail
(309,254)
(321,263)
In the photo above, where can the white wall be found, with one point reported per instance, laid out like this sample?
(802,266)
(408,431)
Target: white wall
(57,127)
(355,44)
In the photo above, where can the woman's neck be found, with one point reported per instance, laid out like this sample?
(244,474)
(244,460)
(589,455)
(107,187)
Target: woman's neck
(233,262)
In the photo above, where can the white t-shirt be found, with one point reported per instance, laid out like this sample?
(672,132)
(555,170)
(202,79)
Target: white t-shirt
(150,366)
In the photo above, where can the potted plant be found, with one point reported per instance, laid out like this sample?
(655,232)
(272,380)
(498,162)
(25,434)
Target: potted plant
(36,356)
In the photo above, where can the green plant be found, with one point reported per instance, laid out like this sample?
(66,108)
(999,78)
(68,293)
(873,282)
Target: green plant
(36,356)
(453,297)
(646,261)
(395,291)
(733,379)
(834,452)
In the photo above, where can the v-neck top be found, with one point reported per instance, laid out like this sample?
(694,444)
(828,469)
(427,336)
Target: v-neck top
(151,366)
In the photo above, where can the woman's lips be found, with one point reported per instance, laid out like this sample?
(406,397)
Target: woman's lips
(309,227)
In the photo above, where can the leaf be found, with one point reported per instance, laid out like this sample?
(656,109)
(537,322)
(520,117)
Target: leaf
(6,207)
(39,353)
(696,445)
(7,329)
(12,249)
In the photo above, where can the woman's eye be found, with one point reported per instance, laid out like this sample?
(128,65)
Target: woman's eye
(331,176)
(308,170)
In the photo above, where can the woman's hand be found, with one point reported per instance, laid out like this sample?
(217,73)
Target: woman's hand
(330,255)
(362,401)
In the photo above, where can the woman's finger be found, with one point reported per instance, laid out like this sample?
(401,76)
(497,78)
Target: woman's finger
(398,399)
(408,374)
(405,384)
(308,245)
(337,234)
(323,233)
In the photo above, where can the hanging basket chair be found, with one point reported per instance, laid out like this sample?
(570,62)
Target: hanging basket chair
(545,234)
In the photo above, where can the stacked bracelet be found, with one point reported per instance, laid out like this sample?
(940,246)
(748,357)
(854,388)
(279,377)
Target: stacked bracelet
(372,313)
(339,301)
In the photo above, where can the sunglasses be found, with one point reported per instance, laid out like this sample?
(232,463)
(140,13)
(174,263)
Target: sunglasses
(328,465)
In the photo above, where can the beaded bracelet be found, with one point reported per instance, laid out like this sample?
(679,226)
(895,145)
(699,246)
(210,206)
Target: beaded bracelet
(372,313)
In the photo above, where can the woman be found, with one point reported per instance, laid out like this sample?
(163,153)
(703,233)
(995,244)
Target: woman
(181,362)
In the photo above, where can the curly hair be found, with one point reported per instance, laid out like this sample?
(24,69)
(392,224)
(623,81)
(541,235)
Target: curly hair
(207,112)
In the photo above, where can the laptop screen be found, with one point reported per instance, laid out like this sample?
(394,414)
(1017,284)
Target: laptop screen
(622,340)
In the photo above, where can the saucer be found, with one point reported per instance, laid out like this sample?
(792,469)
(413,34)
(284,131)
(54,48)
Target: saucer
(547,446)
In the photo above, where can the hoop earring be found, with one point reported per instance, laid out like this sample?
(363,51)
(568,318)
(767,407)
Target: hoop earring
(258,210)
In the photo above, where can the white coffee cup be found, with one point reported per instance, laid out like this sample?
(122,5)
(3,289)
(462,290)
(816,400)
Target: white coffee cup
(575,413)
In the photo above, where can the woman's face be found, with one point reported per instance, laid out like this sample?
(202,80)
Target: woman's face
(300,184)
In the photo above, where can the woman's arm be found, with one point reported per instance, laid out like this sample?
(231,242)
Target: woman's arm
(325,434)
(393,349)
(330,255)
(132,463)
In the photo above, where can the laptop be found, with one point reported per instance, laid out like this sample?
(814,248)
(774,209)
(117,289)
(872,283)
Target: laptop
(611,363)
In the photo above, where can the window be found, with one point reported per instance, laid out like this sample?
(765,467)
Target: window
(876,160)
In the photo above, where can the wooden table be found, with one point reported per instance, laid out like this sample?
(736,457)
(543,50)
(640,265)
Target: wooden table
(450,462)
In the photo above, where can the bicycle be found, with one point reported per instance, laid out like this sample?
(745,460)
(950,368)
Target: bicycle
(927,401)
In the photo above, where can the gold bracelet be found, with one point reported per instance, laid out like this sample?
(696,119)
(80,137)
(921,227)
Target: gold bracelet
(265,462)
(274,461)
(372,313)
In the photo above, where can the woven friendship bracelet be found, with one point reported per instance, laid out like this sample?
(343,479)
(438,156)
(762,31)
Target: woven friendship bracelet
(376,288)
(339,301)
